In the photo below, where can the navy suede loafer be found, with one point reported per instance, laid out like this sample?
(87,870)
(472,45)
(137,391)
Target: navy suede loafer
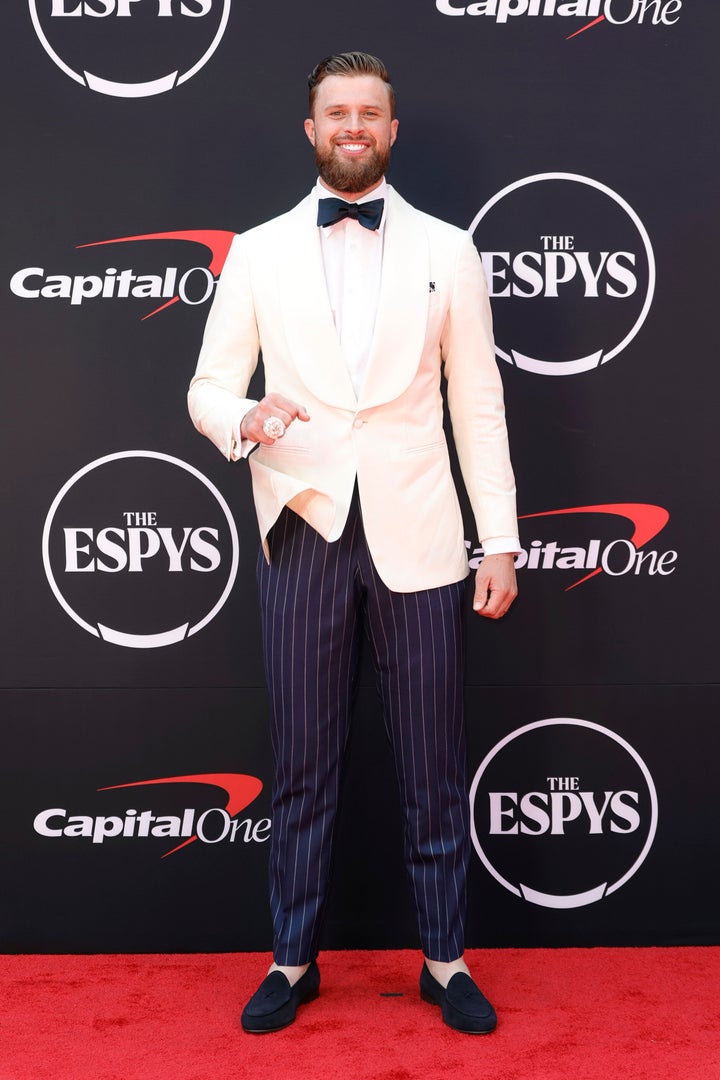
(274,1004)
(464,1007)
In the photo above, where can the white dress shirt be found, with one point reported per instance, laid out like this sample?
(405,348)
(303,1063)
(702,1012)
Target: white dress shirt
(352,257)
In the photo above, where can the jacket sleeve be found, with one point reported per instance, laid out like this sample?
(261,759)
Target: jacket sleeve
(228,357)
(475,398)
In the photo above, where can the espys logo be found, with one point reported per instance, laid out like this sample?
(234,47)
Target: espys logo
(568,551)
(570,270)
(174,283)
(140,549)
(564,812)
(210,826)
(610,12)
(130,48)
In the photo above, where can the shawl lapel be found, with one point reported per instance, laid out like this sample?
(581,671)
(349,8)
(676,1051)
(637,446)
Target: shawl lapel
(401,322)
(307,316)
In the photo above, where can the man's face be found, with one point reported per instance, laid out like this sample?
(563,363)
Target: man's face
(352,131)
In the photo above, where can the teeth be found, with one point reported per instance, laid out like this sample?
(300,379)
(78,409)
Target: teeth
(354,148)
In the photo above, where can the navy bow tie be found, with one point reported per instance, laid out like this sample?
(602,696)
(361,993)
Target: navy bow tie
(369,214)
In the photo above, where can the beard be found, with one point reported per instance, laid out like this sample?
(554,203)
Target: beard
(348,175)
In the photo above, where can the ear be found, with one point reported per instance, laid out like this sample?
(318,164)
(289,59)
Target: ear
(393,131)
(310,130)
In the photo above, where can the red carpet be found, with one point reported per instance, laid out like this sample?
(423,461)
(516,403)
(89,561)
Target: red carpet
(589,1014)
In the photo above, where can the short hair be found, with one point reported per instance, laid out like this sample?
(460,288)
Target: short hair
(349,63)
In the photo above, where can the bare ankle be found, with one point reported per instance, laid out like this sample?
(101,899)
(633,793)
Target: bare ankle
(291,973)
(443,971)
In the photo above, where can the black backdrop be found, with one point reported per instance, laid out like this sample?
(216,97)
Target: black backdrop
(581,150)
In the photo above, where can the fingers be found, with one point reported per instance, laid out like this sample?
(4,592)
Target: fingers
(495,586)
(495,605)
(272,405)
(293,411)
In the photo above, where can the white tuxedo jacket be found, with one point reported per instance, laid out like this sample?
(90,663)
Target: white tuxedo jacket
(433,311)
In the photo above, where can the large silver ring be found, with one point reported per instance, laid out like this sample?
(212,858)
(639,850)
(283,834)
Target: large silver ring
(274,427)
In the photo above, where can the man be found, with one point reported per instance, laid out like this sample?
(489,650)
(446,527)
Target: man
(357,301)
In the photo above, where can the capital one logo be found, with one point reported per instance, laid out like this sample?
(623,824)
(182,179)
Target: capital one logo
(140,549)
(570,271)
(564,812)
(130,48)
(564,546)
(167,285)
(210,826)
(610,12)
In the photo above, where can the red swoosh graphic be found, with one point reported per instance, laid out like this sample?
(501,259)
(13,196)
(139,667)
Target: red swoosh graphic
(600,18)
(647,520)
(240,789)
(218,242)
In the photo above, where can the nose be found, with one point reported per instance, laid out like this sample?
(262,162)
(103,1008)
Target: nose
(353,123)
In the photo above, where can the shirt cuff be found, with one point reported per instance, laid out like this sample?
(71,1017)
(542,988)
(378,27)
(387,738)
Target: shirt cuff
(501,545)
(245,448)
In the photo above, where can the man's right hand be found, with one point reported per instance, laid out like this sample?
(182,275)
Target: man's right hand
(271,405)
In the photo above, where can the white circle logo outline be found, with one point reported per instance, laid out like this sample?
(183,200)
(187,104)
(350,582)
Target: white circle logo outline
(585,363)
(130,90)
(559,900)
(106,633)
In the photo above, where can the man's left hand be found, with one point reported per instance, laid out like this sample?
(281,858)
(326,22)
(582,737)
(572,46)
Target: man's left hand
(495,585)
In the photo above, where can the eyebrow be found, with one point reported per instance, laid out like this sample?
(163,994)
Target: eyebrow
(367,105)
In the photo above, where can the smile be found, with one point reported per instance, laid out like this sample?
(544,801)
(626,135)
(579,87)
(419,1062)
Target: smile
(353,148)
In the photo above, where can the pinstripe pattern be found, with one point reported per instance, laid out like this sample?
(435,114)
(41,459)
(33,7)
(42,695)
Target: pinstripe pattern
(316,599)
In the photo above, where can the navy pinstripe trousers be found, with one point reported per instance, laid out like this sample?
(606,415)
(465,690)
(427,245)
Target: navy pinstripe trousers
(316,599)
